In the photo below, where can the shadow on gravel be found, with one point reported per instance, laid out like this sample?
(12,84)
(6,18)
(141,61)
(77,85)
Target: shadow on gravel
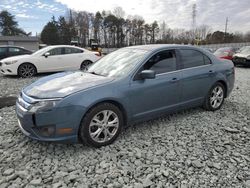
(17,77)
(7,101)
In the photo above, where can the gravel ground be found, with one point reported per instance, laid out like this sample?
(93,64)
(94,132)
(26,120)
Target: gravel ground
(193,148)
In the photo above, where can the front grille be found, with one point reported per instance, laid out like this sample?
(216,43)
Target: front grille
(239,59)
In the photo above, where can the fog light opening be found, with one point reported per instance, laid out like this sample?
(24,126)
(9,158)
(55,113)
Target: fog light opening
(47,131)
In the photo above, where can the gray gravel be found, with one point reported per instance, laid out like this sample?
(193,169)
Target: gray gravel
(193,148)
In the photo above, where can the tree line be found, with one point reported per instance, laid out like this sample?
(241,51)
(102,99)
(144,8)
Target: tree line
(113,29)
(9,26)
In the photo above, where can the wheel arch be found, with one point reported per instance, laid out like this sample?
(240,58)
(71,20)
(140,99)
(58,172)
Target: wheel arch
(26,63)
(86,60)
(225,86)
(111,101)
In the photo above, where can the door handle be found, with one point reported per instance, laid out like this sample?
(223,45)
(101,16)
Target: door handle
(174,80)
(210,71)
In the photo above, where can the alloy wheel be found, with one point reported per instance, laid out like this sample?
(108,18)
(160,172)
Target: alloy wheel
(103,126)
(217,96)
(27,70)
(85,65)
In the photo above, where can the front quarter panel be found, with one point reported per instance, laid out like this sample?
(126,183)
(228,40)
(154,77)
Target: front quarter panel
(86,99)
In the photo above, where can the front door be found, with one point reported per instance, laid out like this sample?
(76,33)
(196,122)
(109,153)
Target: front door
(53,62)
(154,96)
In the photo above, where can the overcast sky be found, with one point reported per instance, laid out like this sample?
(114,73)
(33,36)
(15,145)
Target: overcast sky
(32,15)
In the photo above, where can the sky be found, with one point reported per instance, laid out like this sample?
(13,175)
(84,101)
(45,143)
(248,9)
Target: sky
(32,15)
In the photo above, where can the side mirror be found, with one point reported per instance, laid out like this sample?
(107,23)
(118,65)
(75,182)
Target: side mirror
(147,74)
(46,54)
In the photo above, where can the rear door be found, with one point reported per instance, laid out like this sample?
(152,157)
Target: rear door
(196,76)
(72,58)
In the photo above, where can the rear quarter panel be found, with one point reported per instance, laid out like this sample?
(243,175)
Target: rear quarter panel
(225,72)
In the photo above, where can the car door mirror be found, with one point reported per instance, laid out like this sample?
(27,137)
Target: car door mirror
(46,54)
(147,74)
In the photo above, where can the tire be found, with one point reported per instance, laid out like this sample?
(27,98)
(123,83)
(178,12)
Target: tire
(26,70)
(215,97)
(95,130)
(85,64)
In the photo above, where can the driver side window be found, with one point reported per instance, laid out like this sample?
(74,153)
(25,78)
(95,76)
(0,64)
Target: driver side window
(162,62)
(56,51)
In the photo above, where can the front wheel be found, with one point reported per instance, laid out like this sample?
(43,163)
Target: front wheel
(101,125)
(215,97)
(26,70)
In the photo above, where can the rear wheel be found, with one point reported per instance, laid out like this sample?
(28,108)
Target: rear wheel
(85,65)
(215,97)
(26,70)
(101,125)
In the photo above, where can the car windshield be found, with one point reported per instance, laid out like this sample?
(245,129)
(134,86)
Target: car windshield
(41,50)
(118,63)
(245,50)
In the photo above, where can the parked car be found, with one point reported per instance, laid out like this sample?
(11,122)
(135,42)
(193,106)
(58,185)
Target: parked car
(225,53)
(242,57)
(9,51)
(129,85)
(49,59)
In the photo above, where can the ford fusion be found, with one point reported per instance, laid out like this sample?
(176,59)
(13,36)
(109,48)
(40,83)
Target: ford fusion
(129,85)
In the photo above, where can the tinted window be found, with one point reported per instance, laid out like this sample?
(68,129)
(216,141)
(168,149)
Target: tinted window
(192,58)
(56,51)
(162,62)
(207,61)
(72,51)
(15,50)
(3,50)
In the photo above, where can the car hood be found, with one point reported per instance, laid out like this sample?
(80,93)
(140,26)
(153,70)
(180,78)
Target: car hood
(241,55)
(14,58)
(63,84)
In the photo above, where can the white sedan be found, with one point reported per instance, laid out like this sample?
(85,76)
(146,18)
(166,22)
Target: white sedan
(49,59)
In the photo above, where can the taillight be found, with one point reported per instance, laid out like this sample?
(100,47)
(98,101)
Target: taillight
(98,54)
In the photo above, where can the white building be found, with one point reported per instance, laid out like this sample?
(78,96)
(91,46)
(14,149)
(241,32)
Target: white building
(30,43)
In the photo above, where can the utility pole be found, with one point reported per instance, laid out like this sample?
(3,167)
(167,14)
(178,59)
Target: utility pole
(194,13)
(226,29)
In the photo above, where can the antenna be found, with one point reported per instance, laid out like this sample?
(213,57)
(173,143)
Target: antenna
(226,28)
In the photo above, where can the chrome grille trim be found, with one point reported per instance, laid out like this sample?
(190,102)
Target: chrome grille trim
(33,101)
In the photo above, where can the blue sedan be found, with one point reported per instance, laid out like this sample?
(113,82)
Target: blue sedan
(129,85)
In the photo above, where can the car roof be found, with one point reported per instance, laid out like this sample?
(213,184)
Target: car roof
(11,46)
(153,47)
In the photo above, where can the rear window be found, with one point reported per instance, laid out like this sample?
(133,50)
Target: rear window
(73,51)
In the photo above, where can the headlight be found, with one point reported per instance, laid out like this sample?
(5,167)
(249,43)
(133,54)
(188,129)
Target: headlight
(44,105)
(10,62)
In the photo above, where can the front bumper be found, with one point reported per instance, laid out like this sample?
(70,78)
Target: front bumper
(58,119)
(8,69)
(241,61)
